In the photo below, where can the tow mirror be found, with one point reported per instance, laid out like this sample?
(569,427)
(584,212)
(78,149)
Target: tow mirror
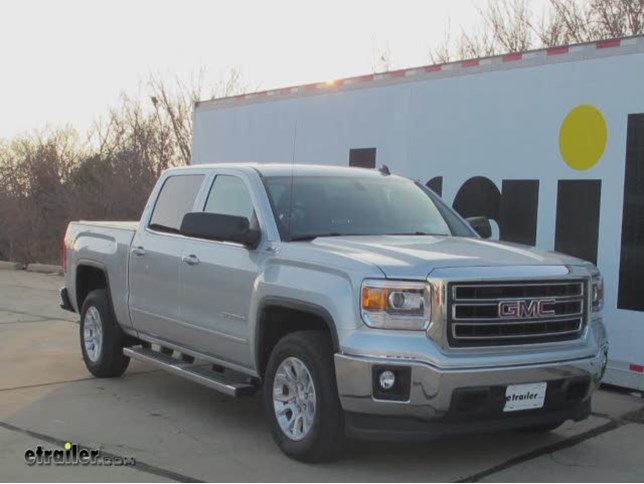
(225,228)
(481,225)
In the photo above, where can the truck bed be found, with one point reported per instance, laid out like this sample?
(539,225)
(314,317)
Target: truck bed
(105,245)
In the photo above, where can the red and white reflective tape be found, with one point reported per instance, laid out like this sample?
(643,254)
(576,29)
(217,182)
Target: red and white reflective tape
(636,368)
(607,44)
(463,64)
(512,57)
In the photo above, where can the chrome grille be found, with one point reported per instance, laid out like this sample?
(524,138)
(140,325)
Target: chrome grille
(513,313)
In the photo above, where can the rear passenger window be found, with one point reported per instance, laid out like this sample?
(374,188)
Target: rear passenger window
(176,199)
(229,196)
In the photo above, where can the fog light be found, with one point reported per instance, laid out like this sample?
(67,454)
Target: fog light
(387,380)
(391,383)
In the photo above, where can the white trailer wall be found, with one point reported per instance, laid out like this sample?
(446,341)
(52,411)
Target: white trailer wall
(497,118)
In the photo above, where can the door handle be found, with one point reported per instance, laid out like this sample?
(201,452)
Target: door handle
(138,250)
(191,260)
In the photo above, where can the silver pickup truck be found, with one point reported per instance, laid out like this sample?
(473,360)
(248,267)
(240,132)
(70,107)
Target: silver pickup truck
(360,303)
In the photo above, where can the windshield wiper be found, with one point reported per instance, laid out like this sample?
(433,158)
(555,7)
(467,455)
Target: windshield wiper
(298,238)
(418,232)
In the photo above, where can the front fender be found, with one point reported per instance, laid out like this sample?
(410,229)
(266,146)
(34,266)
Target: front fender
(328,292)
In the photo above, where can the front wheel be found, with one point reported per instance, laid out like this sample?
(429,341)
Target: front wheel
(301,397)
(101,338)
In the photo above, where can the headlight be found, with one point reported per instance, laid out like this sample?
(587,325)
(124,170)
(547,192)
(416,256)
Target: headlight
(395,304)
(597,293)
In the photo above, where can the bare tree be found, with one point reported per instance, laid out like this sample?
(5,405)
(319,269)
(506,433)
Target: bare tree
(512,26)
(173,103)
(442,53)
(504,27)
(34,203)
(49,178)
(509,24)
(380,56)
(572,20)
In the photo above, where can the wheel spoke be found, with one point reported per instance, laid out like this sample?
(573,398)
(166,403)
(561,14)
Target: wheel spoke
(280,396)
(285,408)
(287,373)
(294,371)
(282,379)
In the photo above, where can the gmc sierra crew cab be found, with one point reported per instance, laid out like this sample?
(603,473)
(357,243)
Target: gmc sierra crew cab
(360,304)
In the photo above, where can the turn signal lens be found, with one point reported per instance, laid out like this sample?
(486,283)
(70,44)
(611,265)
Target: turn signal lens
(375,298)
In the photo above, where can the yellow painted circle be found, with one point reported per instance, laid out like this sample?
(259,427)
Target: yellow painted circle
(582,137)
(68,445)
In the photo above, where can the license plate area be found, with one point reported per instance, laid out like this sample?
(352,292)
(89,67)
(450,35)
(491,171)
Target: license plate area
(526,396)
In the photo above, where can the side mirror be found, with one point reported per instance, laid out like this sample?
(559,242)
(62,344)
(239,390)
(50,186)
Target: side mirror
(481,225)
(214,226)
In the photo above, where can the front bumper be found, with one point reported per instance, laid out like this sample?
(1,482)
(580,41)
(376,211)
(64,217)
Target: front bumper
(444,401)
(379,427)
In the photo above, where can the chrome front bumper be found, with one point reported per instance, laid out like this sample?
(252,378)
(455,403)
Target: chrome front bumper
(432,388)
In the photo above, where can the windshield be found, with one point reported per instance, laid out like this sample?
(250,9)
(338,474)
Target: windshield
(333,206)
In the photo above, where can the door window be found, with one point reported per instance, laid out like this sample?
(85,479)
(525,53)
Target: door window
(176,199)
(229,196)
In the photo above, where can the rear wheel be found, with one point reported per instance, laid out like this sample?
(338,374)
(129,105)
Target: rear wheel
(101,338)
(301,397)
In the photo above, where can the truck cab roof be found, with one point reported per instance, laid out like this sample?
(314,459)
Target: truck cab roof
(291,169)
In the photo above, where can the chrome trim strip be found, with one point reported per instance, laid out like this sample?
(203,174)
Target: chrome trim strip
(498,284)
(579,297)
(510,323)
(514,320)
(518,336)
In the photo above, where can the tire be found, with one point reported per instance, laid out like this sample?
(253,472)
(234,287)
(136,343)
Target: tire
(322,441)
(543,428)
(102,346)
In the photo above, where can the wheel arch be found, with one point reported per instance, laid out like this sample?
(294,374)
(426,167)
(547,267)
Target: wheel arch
(276,319)
(89,277)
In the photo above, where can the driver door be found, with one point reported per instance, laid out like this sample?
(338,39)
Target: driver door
(217,279)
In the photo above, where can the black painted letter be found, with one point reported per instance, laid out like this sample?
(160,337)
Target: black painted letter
(631,265)
(577,226)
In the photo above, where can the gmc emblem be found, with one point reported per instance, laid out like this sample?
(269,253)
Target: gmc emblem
(531,308)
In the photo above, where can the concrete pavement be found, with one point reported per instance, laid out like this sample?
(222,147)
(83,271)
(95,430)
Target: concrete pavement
(177,430)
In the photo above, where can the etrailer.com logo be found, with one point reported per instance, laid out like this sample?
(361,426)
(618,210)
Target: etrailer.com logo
(73,455)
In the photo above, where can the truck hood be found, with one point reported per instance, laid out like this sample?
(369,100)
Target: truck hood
(414,257)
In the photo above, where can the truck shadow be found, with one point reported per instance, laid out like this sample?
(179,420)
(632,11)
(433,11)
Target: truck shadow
(168,422)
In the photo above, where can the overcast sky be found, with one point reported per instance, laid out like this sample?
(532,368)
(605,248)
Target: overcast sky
(65,62)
